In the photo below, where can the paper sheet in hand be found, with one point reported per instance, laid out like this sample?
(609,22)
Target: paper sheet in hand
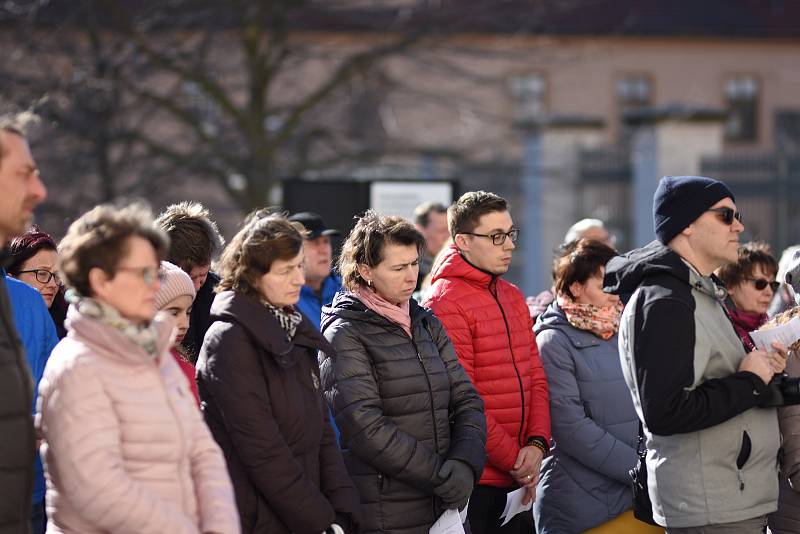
(786,334)
(448,523)
(514,505)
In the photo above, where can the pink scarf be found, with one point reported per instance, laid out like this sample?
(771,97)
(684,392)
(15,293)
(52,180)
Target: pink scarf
(396,314)
(602,321)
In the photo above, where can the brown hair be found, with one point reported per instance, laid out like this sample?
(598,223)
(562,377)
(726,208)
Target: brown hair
(464,215)
(194,237)
(99,238)
(422,213)
(750,255)
(263,239)
(367,240)
(579,261)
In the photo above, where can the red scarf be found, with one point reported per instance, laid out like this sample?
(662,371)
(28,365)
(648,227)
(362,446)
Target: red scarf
(602,321)
(397,314)
(744,323)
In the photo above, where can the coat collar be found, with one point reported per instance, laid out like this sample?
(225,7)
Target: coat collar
(263,327)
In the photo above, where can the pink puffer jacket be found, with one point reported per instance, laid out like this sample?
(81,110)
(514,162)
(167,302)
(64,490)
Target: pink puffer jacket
(125,447)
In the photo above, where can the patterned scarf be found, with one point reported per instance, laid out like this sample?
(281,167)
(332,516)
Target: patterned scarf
(602,321)
(288,317)
(145,335)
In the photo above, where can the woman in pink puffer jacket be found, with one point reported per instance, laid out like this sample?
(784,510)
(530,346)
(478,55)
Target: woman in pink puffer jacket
(125,448)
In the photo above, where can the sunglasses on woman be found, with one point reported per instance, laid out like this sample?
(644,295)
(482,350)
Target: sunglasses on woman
(761,284)
(727,215)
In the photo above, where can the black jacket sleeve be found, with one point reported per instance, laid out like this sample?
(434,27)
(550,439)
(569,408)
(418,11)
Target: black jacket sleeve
(664,346)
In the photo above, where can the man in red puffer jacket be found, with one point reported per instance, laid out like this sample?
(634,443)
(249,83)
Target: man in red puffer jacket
(488,322)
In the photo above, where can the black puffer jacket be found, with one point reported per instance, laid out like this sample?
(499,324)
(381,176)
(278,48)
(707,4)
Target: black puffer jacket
(16,426)
(403,406)
(262,401)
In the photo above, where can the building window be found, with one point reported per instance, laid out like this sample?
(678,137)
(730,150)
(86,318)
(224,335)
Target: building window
(634,91)
(741,96)
(528,92)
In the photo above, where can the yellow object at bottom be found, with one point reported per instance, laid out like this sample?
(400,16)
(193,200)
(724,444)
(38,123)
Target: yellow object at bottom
(625,524)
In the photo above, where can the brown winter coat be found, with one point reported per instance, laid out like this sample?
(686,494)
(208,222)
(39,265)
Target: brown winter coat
(261,397)
(787,519)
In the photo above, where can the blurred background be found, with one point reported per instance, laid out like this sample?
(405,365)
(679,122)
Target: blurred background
(568,108)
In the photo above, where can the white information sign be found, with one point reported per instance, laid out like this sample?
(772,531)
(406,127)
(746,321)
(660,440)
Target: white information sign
(400,198)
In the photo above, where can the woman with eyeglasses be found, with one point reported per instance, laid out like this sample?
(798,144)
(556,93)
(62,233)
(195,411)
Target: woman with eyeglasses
(751,285)
(33,257)
(412,425)
(125,448)
(260,389)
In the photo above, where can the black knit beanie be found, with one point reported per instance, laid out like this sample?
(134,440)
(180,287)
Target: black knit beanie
(680,200)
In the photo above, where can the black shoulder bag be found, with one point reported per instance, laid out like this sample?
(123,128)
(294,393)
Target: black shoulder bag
(642,507)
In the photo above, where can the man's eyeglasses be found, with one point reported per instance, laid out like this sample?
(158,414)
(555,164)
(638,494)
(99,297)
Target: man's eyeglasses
(43,276)
(500,237)
(761,284)
(148,274)
(727,215)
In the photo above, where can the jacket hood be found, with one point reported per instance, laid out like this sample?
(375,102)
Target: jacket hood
(552,317)
(113,343)
(262,326)
(347,306)
(626,272)
(451,264)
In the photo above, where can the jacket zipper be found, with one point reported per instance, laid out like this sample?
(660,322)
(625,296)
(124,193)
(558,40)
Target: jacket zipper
(179,427)
(430,396)
(520,438)
(430,393)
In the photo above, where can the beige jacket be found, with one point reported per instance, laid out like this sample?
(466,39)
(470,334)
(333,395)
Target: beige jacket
(125,447)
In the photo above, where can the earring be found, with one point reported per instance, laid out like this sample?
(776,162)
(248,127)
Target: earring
(369,283)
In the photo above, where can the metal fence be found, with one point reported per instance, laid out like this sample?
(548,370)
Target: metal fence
(767,189)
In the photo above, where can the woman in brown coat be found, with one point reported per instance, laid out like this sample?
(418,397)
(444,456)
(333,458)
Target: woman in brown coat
(260,390)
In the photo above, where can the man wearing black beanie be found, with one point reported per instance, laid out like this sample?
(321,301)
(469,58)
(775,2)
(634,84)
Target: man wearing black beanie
(711,448)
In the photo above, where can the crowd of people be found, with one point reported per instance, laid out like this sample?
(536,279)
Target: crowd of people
(155,379)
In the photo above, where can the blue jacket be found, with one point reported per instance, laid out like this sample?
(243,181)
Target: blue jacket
(38,334)
(311,305)
(585,481)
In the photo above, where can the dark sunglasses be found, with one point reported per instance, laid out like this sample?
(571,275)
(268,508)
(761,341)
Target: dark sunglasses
(762,284)
(727,215)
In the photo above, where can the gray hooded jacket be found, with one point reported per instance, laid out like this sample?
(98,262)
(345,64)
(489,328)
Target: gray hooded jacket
(712,453)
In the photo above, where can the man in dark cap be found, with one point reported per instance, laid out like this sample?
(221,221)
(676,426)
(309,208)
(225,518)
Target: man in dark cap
(711,447)
(321,283)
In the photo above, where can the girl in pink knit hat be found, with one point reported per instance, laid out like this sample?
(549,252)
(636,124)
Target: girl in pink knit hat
(175,296)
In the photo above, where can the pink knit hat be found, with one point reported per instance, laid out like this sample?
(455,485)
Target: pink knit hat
(175,284)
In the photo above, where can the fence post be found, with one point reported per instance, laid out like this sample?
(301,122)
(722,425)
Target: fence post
(667,141)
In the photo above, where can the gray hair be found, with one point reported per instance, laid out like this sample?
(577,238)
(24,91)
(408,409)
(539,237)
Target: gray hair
(577,230)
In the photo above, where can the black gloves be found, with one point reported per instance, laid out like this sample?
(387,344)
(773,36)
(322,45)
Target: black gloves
(457,482)
(344,521)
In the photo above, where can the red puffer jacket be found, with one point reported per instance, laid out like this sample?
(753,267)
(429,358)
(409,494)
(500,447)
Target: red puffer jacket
(489,324)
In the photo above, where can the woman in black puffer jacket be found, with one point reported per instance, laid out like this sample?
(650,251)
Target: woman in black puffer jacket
(412,425)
